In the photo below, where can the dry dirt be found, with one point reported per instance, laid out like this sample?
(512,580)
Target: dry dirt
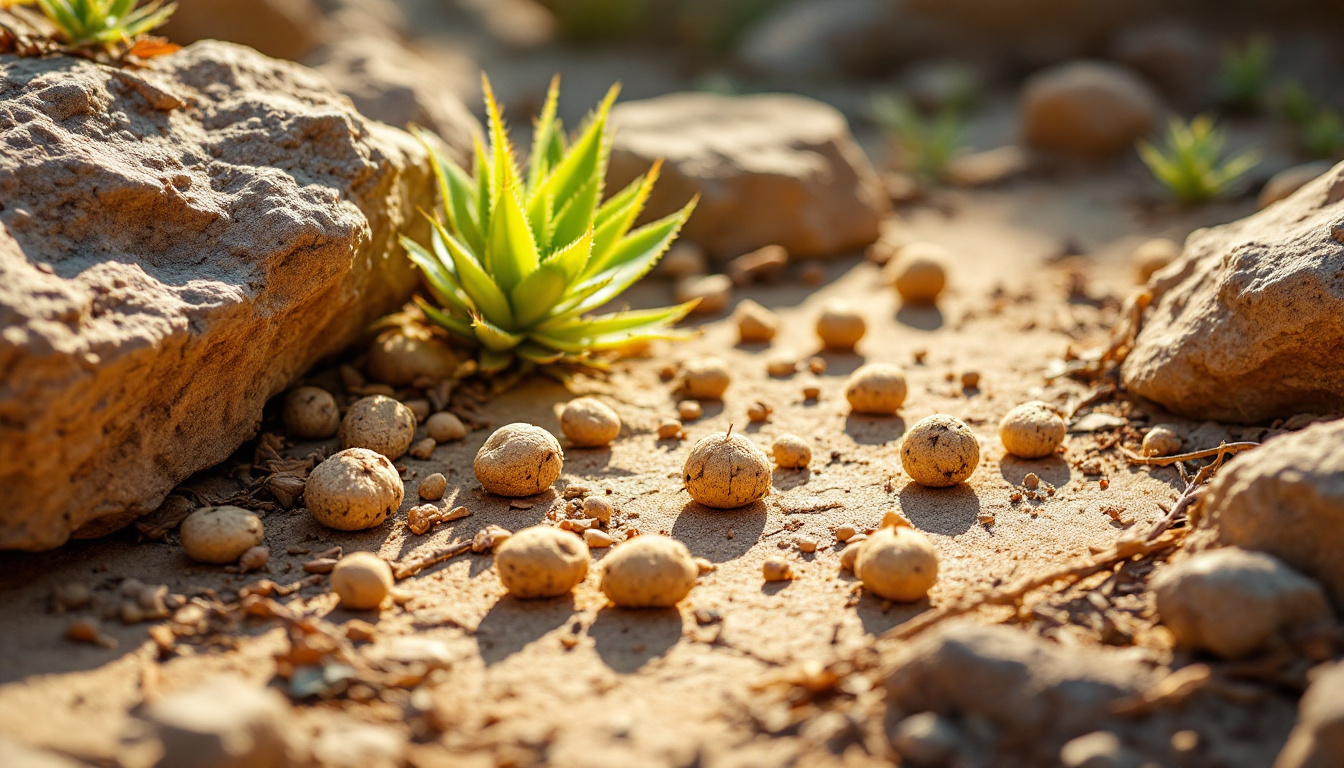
(575,682)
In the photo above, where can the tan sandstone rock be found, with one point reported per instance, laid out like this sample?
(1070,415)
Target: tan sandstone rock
(285,29)
(1087,108)
(769,169)
(165,268)
(1286,498)
(1249,323)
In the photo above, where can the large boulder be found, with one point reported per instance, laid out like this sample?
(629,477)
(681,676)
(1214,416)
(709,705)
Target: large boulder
(285,29)
(394,85)
(1286,498)
(1026,686)
(769,169)
(179,244)
(1248,324)
(1087,108)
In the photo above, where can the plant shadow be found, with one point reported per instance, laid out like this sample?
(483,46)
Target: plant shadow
(946,511)
(706,531)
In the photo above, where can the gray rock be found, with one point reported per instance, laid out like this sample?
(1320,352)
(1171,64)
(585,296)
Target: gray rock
(1233,602)
(224,723)
(1026,686)
(1317,741)
(1248,324)
(178,244)
(1286,498)
(770,170)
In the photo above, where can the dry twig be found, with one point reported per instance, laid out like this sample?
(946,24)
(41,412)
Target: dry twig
(420,561)
(1164,461)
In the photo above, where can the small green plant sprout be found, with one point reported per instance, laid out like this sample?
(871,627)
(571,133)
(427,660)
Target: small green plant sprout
(926,144)
(1190,164)
(523,257)
(1322,136)
(99,27)
(1296,103)
(1244,79)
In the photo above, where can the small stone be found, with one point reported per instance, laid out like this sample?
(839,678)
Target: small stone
(1162,440)
(445,427)
(876,389)
(811,392)
(1031,481)
(596,539)
(1061,104)
(705,378)
(845,533)
(777,569)
(689,410)
(423,449)
(926,740)
(433,487)
(919,273)
(807,544)
(714,292)
(224,723)
(850,553)
(970,380)
(670,429)
(589,423)
(684,259)
(762,264)
(840,326)
(420,408)
(597,508)
(781,368)
(791,452)
(758,412)
(1099,749)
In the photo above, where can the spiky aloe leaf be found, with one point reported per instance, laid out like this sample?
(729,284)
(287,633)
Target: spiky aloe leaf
(1190,164)
(103,24)
(520,258)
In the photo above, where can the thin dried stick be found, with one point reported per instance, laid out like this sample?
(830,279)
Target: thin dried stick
(419,562)
(1163,461)
(1192,491)
(1121,551)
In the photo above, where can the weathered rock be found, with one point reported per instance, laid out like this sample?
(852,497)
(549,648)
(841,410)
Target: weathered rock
(1317,741)
(1284,183)
(178,245)
(828,37)
(390,83)
(1249,323)
(1178,58)
(769,169)
(348,743)
(1233,602)
(1087,108)
(224,723)
(1286,498)
(1037,693)
(285,29)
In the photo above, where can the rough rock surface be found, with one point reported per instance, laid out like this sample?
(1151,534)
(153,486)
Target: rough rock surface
(1248,324)
(1286,498)
(769,169)
(1318,739)
(178,245)
(1087,108)
(1026,686)
(285,29)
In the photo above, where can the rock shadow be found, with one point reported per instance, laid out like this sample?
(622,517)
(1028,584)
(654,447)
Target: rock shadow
(788,479)
(922,317)
(628,638)
(874,430)
(1052,469)
(840,363)
(875,620)
(513,624)
(946,511)
(705,530)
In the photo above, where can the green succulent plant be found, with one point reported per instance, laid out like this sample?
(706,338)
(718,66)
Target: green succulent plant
(1244,79)
(1191,163)
(519,263)
(101,24)
(926,144)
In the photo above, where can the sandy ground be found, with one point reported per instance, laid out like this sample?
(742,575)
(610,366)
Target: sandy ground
(574,682)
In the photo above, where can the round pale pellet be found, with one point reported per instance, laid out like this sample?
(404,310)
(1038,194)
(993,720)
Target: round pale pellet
(589,423)
(898,564)
(519,460)
(726,471)
(1032,430)
(362,581)
(648,572)
(791,452)
(445,427)
(939,451)
(220,534)
(433,487)
(311,414)
(876,389)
